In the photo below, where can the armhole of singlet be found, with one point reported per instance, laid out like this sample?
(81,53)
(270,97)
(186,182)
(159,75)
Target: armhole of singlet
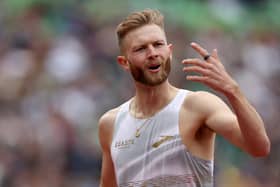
(122,110)
(180,100)
(209,162)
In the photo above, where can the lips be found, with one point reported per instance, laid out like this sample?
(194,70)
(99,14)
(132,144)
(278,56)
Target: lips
(154,67)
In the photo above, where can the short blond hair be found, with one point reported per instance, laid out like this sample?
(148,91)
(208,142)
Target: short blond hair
(138,19)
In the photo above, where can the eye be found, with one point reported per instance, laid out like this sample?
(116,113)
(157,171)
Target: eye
(158,44)
(138,49)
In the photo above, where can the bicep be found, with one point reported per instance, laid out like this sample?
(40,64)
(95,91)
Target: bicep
(224,122)
(108,178)
(107,171)
(105,138)
(217,116)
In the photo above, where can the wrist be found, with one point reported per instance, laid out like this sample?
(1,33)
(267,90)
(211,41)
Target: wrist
(233,91)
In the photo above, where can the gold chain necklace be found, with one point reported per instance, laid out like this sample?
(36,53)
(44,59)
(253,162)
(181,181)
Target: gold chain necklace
(138,130)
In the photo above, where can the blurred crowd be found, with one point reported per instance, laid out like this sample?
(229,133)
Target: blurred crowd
(58,75)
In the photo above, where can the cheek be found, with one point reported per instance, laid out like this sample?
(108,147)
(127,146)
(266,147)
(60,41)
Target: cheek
(165,53)
(137,60)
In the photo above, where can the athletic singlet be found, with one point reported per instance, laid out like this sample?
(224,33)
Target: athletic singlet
(157,158)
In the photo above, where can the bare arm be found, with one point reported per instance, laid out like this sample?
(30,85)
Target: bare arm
(106,122)
(250,123)
(244,127)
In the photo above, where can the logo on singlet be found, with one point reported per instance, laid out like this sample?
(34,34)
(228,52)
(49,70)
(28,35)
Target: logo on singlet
(162,140)
(123,144)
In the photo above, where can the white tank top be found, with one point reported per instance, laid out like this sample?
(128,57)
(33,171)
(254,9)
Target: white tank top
(157,157)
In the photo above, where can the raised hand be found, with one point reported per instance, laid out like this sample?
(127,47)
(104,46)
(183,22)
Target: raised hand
(211,71)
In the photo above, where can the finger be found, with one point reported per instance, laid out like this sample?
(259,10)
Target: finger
(203,52)
(197,62)
(202,71)
(215,55)
(192,60)
(197,78)
(196,69)
(203,79)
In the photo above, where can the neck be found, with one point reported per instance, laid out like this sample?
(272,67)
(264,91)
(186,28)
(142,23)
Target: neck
(149,100)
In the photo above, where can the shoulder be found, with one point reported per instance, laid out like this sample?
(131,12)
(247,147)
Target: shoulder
(202,101)
(109,116)
(106,127)
(201,95)
(107,119)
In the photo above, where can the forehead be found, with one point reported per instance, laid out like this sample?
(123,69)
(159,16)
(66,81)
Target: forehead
(143,35)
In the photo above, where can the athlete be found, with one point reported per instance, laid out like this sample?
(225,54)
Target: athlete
(165,136)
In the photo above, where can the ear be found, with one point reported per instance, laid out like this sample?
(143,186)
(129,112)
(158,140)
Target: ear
(170,46)
(123,62)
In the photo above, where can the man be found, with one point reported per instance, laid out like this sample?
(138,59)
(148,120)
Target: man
(164,136)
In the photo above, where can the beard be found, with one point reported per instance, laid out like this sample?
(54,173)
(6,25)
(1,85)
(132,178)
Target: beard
(148,79)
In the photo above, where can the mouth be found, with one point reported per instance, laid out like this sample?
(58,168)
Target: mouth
(154,67)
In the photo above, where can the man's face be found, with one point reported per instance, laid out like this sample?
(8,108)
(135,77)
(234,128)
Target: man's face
(148,55)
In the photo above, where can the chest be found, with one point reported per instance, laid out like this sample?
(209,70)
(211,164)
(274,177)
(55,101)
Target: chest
(137,138)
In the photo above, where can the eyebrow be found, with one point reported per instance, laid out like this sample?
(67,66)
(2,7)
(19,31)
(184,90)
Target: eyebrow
(155,41)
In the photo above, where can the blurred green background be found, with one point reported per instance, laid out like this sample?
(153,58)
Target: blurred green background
(58,75)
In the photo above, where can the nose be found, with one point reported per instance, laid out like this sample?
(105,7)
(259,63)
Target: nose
(152,52)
